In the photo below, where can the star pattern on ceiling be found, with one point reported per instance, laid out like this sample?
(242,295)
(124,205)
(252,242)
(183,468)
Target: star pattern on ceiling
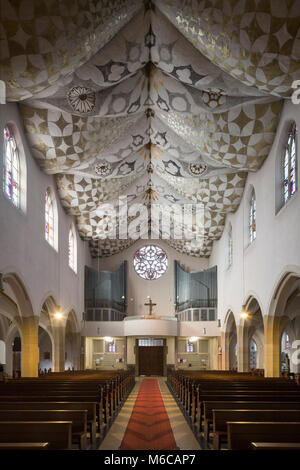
(166,102)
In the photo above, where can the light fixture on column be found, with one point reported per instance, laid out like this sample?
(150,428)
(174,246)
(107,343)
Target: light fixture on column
(108,339)
(244,314)
(204,331)
(219,323)
(58,315)
(193,339)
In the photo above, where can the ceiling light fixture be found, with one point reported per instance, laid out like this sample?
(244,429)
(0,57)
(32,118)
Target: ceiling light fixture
(193,339)
(108,339)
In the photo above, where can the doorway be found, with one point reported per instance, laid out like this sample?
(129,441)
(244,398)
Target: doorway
(151,356)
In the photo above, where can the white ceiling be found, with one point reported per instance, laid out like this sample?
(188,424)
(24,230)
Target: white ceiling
(163,101)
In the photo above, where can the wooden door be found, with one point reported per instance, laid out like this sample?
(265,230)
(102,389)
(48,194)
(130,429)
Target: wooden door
(151,360)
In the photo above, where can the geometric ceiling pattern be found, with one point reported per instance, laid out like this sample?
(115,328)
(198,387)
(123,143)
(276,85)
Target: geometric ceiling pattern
(157,101)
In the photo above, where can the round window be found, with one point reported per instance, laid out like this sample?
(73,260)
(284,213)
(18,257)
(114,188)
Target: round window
(150,262)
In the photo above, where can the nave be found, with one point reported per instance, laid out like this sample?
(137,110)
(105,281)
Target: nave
(205,410)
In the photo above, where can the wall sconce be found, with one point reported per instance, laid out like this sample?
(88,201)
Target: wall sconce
(193,339)
(219,323)
(58,315)
(204,331)
(108,339)
(244,314)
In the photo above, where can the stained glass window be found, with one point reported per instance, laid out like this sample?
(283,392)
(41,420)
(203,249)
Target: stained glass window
(150,262)
(11,180)
(290,165)
(252,218)
(230,247)
(72,250)
(190,347)
(49,218)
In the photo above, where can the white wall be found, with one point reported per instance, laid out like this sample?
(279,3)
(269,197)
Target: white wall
(161,290)
(23,248)
(257,268)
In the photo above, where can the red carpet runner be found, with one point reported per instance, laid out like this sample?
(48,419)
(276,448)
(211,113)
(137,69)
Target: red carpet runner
(149,426)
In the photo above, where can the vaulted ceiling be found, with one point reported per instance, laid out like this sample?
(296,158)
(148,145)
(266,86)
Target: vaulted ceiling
(169,101)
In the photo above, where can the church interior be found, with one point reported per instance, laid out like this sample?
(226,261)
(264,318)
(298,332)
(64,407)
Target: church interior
(150,225)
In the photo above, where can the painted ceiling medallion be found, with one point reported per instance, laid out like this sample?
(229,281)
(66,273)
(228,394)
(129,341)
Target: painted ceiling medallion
(82,99)
(214,98)
(197,169)
(103,169)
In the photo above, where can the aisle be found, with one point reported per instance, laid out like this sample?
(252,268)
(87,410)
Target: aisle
(183,436)
(149,426)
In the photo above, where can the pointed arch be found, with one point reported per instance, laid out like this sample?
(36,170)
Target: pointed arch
(284,309)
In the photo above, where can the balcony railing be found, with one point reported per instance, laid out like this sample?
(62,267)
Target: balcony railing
(103,314)
(201,303)
(197,314)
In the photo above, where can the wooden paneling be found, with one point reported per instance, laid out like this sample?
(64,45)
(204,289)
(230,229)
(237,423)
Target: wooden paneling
(151,359)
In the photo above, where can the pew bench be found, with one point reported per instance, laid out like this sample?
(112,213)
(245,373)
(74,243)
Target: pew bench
(77,417)
(221,417)
(209,406)
(90,407)
(58,398)
(241,434)
(275,445)
(24,446)
(257,396)
(58,434)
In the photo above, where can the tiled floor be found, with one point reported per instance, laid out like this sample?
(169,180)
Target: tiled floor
(184,437)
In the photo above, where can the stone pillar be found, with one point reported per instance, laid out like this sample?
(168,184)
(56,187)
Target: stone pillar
(30,346)
(8,368)
(82,353)
(58,348)
(271,350)
(243,349)
(219,352)
(225,350)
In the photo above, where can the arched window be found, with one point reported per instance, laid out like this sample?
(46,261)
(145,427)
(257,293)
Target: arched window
(253,354)
(230,247)
(289,163)
(49,219)
(72,249)
(11,177)
(252,218)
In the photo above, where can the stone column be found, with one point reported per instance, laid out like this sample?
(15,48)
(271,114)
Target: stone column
(271,351)
(225,350)
(82,353)
(30,346)
(58,348)
(243,349)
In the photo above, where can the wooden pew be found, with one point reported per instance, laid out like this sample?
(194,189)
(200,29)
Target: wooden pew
(24,446)
(241,434)
(240,396)
(77,417)
(209,406)
(90,407)
(58,434)
(53,398)
(275,446)
(221,417)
